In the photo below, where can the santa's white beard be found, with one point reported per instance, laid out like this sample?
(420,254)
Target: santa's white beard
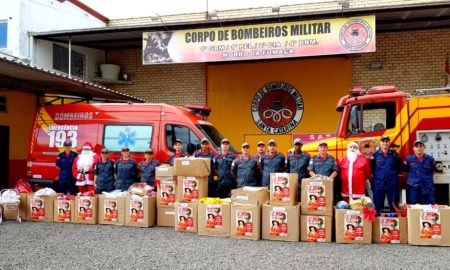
(352,155)
(85,160)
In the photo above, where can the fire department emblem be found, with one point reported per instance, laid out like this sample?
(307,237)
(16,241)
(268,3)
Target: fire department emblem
(367,146)
(277,108)
(355,35)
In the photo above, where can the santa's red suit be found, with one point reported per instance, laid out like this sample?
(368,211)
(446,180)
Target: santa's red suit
(354,173)
(83,168)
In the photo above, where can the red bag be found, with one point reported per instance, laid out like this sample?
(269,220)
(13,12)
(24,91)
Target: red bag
(22,186)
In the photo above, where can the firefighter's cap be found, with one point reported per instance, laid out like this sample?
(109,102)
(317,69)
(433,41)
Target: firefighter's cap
(67,143)
(149,151)
(323,143)
(225,140)
(204,140)
(272,141)
(178,141)
(298,141)
(416,142)
(260,143)
(245,144)
(385,137)
(125,148)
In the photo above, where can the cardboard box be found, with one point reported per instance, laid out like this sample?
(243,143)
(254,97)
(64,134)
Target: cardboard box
(192,167)
(40,208)
(390,230)
(166,192)
(10,211)
(246,221)
(317,196)
(281,222)
(186,217)
(283,189)
(191,188)
(23,206)
(64,211)
(214,219)
(316,228)
(86,210)
(429,227)
(250,195)
(111,211)
(140,211)
(166,217)
(164,171)
(352,228)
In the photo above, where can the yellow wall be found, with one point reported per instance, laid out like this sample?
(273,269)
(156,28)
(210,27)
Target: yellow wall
(19,117)
(320,81)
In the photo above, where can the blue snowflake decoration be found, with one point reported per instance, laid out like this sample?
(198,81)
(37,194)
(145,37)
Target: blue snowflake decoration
(127,137)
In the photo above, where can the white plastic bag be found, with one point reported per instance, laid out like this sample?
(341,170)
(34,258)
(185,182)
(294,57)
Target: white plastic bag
(115,194)
(44,192)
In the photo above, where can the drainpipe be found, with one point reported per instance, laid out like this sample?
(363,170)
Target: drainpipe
(70,57)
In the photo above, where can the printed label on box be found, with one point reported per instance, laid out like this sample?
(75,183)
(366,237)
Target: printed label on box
(185,220)
(389,230)
(136,210)
(110,210)
(37,208)
(316,196)
(85,208)
(244,223)
(214,218)
(190,189)
(316,229)
(280,187)
(430,224)
(167,192)
(353,226)
(278,222)
(63,211)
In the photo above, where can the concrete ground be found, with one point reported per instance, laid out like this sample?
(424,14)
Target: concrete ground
(73,246)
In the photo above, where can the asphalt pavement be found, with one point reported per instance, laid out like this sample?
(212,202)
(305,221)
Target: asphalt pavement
(36,245)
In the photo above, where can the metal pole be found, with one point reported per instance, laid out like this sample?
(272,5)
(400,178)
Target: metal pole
(70,57)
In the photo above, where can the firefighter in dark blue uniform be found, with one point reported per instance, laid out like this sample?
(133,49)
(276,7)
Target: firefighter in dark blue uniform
(322,163)
(385,165)
(298,162)
(64,162)
(104,173)
(148,166)
(178,147)
(223,161)
(125,170)
(420,168)
(205,152)
(261,151)
(246,168)
(272,162)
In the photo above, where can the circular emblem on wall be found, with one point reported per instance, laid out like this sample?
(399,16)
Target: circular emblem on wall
(355,35)
(367,146)
(277,108)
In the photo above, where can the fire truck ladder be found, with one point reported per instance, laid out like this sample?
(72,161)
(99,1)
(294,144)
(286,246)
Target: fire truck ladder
(422,92)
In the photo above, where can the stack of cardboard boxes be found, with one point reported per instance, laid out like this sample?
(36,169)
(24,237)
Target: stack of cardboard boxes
(428,225)
(192,185)
(166,196)
(281,218)
(246,204)
(317,209)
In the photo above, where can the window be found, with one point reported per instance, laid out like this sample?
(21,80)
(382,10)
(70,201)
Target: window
(137,137)
(185,134)
(3,34)
(2,104)
(61,61)
(375,117)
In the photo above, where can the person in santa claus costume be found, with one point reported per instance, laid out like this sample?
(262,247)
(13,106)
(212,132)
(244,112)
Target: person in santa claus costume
(84,167)
(354,171)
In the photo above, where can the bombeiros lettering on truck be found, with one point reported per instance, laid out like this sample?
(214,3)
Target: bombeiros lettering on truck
(112,126)
(366,115)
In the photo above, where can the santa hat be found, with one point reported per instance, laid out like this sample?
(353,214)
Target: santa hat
(87,145)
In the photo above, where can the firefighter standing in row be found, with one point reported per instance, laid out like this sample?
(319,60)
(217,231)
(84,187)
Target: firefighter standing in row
(322,163)
(125,170)
(104,173)
(385,165)
(246,169)
(297,162)
(223,161)
(261,151)
(420,168)
(271,162)
(205,152)
(147,168)
(64,162)
(178,147)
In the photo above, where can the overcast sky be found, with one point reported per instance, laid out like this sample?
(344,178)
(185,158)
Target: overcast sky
(114,9)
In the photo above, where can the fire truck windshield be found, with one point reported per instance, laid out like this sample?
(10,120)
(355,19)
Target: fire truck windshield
(214,136)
